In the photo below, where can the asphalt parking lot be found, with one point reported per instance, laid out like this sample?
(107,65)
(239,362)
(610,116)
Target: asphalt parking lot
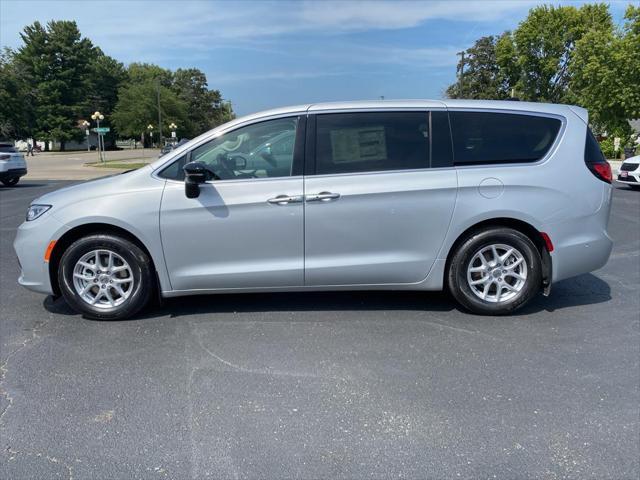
(317,385)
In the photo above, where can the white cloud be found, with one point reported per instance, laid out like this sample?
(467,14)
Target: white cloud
(199,23)
(364,15)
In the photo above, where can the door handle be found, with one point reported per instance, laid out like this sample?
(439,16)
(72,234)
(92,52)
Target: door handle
(285,199)
(322,197)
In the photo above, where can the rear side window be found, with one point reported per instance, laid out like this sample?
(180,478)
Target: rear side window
(375,141)
(493,138)
(7,148)
(592,152)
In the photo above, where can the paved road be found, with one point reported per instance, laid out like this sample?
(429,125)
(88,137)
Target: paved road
(71,165)
(349,385)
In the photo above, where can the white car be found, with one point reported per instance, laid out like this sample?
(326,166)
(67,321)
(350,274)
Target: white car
(12,165)
(629,172)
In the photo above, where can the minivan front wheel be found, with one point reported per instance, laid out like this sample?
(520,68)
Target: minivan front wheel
(495,271)
(105,277)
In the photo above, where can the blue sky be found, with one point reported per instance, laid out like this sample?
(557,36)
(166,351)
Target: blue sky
(266,54)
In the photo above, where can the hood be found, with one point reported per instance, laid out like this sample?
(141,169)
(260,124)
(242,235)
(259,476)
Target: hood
(99,188)
(635,159)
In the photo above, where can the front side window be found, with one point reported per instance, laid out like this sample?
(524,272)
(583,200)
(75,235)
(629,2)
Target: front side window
(372,141)
(260,150)
(492,138)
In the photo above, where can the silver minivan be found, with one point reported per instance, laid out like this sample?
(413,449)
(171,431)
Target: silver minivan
(491,200)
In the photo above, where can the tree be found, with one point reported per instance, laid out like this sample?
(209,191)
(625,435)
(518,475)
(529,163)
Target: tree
(15,121)
(542,47)
(481,77)
(106,77)
(204,106)
(185,99)
(606,75)
(56,64)
(137,107)
(57,78)
(533,60)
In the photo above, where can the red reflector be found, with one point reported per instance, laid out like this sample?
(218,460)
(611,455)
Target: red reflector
(547,241)
(603,170)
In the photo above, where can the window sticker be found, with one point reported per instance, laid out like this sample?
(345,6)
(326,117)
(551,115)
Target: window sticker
(358,144)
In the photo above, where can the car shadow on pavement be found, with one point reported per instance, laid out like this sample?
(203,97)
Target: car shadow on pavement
(584,290)
(587,289)
(20,186)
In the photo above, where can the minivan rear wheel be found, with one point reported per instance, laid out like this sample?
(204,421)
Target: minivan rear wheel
(495,271)
(105,277)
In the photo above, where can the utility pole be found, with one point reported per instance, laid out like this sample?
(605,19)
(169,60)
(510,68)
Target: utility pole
(460,72)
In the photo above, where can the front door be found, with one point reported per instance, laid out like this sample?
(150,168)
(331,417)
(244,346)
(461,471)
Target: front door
(245,230)
(379,199)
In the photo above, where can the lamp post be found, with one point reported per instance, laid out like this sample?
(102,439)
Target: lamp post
(150,130)
(86,124)
(173,128)
(97,116)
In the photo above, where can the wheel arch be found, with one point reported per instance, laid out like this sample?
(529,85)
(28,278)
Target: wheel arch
(521,226)
(83,230)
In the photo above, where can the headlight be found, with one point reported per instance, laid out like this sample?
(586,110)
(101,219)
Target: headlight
(36,211)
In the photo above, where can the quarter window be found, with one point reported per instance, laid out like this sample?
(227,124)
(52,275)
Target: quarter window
(376,141)
(489,138)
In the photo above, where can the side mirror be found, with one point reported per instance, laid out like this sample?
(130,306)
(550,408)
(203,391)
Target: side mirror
(195,174)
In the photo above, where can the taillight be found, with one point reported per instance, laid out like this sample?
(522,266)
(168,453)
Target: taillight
(594,159)
(547,241)
(602,171)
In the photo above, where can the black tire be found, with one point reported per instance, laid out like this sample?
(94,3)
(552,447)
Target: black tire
(464,254)
(10,182)
(141,269)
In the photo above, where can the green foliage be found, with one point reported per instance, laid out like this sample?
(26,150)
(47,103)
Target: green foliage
(137,107)
(606,75)
(563,55)
(185,100)
(205,106)
(482,78)
(56,64)
(14,118)
(543,44)
(58,78)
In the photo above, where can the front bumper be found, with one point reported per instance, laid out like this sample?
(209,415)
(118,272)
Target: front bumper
(632,178)
(30,245)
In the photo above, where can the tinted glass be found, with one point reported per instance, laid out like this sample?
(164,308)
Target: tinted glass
(260,150)
(7,148)
(484,138)
(366,142)
(592,152)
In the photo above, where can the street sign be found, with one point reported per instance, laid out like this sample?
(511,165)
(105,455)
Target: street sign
(102,130)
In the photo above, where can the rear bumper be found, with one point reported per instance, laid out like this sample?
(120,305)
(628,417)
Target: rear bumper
(582,244)
(579,257)
(13,173)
